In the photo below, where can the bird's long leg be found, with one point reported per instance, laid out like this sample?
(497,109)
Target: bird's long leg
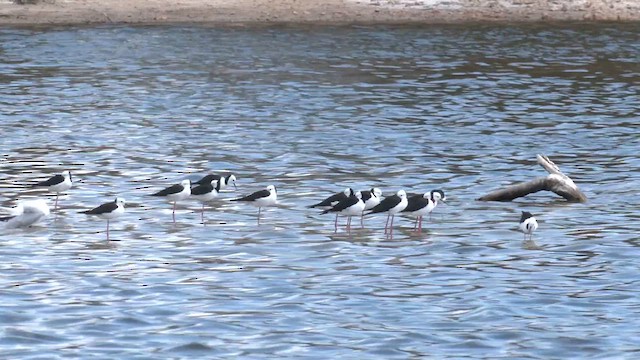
(174,212)
(420,225)
(202,217)
(107,229)
(391,229)
(362,220)
(335,225)
(415,226)
(386,225)
(259,211)
(55,207)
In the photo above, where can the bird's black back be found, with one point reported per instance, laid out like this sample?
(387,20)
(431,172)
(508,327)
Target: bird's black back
(525,216)
(386,204)
(350,201)
(202,189)
(337,197)
(174,189)
(54,180)
(415,203)
(255,196)
(102,209)
(207,179)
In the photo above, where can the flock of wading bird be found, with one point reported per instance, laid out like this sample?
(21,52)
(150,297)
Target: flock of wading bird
(349,203)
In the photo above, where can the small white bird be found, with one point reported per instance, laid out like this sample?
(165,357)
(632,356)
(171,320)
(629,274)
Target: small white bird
(391,205)
(528,224)
(262,198)
(26,213)
(108,211)
(57,183)
(371,199)
(175,193)
(351,206)
(205,193)
(420,205)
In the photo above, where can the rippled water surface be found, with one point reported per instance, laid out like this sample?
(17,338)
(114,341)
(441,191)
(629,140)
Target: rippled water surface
(312,111)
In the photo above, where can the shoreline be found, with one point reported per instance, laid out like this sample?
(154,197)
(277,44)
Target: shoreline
(320,12)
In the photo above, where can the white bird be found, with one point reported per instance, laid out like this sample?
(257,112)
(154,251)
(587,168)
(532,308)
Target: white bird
(205,193)
(351,206)
(108,211)
(371,199)
(528,224)
(391,205)
(420,205)
(57,183)
(175,193)
(26,213)
(262,198)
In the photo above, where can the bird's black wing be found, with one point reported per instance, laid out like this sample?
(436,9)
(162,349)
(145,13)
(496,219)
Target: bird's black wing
(102,209)
(416,202)
(207,179)
(54,180)
(331,199)
(202,189)
(386,204)
(170,190)
(350,201)
(255,196)
(366,195)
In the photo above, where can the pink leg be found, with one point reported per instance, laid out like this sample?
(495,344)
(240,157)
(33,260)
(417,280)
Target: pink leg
(56,204)
(202,217)
(349,223)
(386,225)
(362,220)
(259,211)
(391,229)
(335,225)
(420,230)
(415,226)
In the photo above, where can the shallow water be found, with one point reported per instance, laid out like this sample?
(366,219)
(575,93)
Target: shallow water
(313,110)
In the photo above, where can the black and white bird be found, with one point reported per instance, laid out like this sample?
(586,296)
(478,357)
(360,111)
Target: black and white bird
(391,205)
(175,193)
(351,206)
(57,184)
(263,198)
(420,205)
(528,224)
(334,199)
(108,211)
(26,213)
(223,180)
(205,193)
(371,198)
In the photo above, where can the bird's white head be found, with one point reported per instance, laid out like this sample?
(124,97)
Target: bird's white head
(438,195)
(120,201)
(231,179)
(348,191)
(67,174)
(402,194)
(186,183)
(376,192)
(358,194)
(272,189)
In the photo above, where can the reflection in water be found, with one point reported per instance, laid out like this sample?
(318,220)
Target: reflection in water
(315,110)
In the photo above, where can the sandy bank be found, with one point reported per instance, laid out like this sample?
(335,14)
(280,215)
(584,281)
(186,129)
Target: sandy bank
(62,12)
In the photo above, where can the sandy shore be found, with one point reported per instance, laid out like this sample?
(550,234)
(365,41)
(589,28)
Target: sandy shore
(62,12)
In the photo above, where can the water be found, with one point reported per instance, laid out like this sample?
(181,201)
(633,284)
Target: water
(313,110)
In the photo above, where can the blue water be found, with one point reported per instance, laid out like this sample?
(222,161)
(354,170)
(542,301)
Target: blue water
(312,111)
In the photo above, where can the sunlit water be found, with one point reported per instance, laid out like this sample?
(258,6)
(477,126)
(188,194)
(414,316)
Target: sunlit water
(312,111)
